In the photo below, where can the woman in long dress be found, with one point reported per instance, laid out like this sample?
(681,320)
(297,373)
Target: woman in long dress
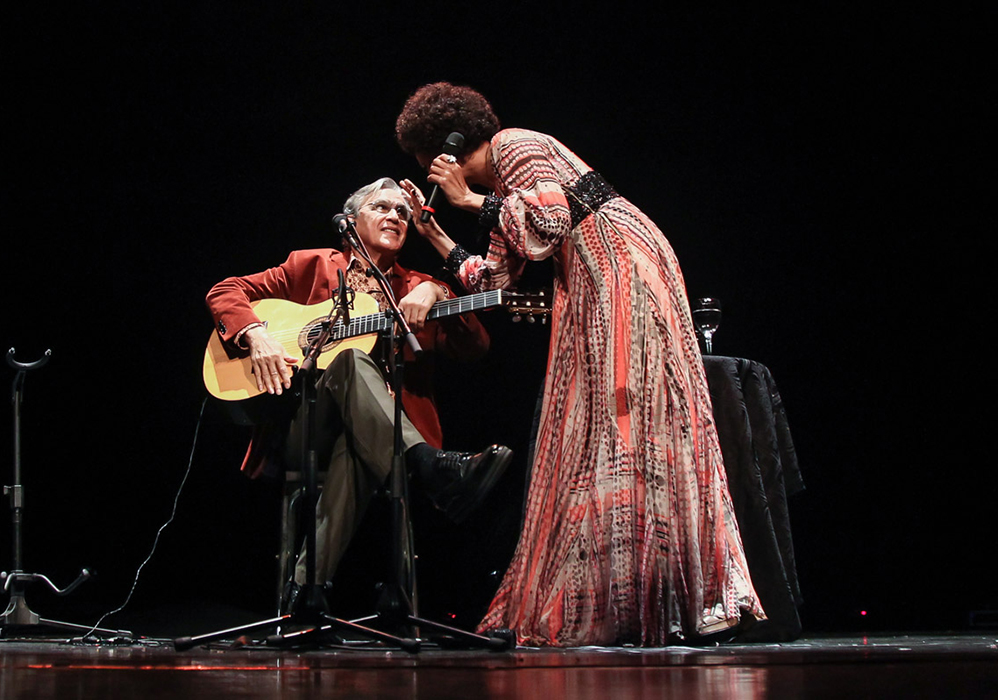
(629,535)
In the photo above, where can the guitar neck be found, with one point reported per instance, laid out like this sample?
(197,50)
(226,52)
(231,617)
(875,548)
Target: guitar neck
(376,323)
(463,305)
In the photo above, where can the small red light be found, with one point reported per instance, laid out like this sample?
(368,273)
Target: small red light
(862,612)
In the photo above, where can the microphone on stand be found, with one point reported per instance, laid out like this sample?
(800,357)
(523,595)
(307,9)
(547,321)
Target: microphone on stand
(343,300)
(344,297)
(452,146)
(345,227)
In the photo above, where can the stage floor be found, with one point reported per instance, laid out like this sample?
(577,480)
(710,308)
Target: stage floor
(882,666)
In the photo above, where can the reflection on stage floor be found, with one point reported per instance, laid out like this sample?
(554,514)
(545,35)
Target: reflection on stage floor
(882,666)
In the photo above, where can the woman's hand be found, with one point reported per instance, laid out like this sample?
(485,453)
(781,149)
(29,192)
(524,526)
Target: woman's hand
(447,174)
(416,200)
(271,362)
(417,304)
(430,230)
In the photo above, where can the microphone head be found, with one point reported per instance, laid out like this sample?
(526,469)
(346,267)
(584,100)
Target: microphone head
(341,222)
(346,230)
(454,144)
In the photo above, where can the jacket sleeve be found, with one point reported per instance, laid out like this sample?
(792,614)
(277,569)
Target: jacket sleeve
(230,301)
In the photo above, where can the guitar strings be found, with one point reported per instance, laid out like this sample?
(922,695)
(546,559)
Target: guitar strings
(372,323)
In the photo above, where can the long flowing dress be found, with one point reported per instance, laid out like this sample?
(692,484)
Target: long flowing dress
(630,534)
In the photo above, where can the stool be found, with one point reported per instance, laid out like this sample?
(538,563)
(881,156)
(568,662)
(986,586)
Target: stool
(290,546)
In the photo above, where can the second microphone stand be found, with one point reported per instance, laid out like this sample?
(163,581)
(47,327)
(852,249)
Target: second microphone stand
(396,606)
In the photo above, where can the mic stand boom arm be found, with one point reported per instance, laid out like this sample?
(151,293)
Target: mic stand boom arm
(312,607)
(397,602)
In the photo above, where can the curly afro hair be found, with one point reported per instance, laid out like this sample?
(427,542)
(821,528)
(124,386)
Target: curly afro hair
(436,110)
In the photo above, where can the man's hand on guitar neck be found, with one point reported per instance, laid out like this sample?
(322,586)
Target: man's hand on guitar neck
(417,304)
(271,362)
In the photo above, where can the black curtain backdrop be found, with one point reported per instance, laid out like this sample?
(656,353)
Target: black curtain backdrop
(822,171)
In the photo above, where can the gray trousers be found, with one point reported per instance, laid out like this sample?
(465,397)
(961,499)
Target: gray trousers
(354,436)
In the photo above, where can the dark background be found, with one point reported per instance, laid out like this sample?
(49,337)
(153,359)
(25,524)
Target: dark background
(823,172)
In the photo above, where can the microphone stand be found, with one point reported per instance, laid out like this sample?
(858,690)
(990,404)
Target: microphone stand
(396,604)
(310,608)
(396,607)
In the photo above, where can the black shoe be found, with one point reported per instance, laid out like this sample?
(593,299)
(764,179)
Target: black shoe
(461,480)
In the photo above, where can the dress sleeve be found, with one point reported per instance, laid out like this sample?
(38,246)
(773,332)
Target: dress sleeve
(499,269)
(534,215)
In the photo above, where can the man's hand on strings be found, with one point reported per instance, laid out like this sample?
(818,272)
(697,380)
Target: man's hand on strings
(271,362)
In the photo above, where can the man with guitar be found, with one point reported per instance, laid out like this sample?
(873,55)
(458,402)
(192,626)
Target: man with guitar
(355,409)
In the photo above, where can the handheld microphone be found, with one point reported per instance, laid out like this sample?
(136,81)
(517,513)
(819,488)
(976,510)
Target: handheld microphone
(452,146)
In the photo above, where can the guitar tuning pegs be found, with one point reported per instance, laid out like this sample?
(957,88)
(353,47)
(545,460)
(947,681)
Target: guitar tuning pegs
(517,318)
(531,319)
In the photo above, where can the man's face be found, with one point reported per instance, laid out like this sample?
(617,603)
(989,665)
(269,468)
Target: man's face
(382,221)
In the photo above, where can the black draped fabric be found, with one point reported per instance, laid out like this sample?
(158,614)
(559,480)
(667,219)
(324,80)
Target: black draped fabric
(762,470)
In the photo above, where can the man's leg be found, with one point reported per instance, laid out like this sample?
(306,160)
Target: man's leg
(345,496)
(355,427)
(351,396)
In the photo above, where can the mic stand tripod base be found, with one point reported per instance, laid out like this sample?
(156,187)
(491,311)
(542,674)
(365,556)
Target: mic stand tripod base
(185,643)
(394,611)
(319,627)
(334,624)
(312,612)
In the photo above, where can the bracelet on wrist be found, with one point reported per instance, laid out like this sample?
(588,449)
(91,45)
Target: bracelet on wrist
(455,257)
(488,215)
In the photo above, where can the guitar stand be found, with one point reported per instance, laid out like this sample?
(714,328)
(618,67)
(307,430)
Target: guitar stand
(18,617)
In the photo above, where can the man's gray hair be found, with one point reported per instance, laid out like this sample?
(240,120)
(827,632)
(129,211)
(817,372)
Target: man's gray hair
(352,205)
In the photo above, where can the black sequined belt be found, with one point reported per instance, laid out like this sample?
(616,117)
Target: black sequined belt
(587,195)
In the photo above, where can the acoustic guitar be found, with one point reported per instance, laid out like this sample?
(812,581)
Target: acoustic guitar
(295,326)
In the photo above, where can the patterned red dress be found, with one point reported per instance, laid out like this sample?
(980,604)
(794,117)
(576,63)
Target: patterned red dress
(630,535)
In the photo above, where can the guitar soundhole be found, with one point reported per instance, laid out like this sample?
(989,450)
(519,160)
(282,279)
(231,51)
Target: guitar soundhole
(310,333)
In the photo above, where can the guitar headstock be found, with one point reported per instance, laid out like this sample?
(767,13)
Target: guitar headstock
(528,305)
